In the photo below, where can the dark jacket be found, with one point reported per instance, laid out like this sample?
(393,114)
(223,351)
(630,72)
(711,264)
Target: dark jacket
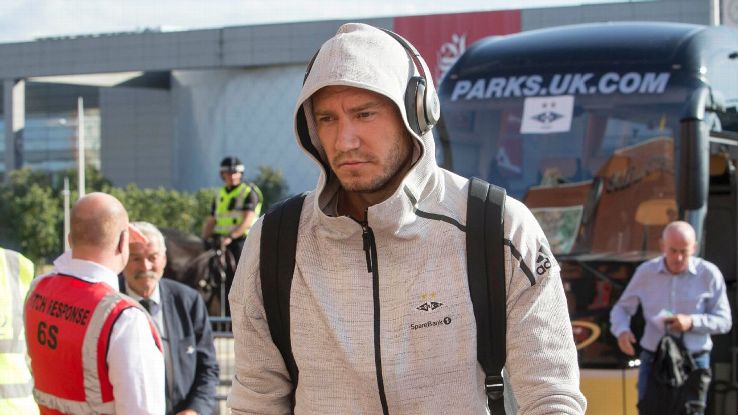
(675,384)
(190,339)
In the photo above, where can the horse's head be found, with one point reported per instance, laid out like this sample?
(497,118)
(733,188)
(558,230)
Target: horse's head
(181,249)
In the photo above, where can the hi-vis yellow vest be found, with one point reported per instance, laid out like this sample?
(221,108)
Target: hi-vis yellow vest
(225,218)
(16,384)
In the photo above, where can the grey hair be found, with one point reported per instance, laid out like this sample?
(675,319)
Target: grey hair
(680,227)
(153,233)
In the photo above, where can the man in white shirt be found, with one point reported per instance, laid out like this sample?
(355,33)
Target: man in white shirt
(182,319)
(678,291)
(93,349)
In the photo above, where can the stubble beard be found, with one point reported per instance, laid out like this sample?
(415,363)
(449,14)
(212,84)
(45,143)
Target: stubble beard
(399,158)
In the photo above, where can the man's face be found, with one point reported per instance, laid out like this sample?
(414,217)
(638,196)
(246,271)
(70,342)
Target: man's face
(677,248)
(365,141)
(145,268)
(231,178)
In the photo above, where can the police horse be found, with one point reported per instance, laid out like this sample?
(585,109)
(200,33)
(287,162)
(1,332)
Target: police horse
(206,269)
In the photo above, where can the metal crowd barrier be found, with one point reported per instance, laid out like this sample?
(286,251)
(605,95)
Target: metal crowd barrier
(223,339)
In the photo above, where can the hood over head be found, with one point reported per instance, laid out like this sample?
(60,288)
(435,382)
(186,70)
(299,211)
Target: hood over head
(362,56)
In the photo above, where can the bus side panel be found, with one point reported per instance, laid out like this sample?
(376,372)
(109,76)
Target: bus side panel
(610,391)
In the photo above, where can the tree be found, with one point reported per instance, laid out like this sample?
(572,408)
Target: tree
(31,209)
(94,180)
(31,219)
(37,223)
(30,215)
(272,185)
(165,208)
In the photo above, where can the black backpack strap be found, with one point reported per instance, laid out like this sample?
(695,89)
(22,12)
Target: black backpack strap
(486,272)
(276,266)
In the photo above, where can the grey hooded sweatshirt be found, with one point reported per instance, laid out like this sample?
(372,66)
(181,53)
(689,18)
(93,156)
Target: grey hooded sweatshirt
(398,328)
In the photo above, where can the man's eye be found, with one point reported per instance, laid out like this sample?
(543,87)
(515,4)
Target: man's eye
(325,119)
(365,114)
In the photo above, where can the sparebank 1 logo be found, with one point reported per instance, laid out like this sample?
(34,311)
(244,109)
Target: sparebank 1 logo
(449,53)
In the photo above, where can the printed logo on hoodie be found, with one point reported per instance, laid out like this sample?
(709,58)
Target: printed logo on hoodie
(544,260)
(429,303)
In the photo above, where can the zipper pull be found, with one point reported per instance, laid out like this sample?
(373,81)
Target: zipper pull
(365,235)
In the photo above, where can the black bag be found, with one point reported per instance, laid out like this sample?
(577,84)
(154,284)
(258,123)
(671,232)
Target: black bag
(675,385)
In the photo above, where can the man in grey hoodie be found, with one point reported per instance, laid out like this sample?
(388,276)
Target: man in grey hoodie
(381,317)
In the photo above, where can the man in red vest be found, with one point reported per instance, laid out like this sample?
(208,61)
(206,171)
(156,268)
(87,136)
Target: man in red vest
(92,349)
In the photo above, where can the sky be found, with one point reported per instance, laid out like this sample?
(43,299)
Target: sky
(26,20)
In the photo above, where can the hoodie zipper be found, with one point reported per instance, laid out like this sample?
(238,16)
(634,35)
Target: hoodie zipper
(370,250)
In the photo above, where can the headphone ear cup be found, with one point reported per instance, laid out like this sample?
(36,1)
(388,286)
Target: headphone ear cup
(415,86)
(421,105)
(431,108)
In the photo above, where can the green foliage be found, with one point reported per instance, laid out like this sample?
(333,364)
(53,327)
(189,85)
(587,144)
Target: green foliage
(272,185)
(203,201)
(31,216)
(165,208)
(31,206)
(94,180)
(31,211)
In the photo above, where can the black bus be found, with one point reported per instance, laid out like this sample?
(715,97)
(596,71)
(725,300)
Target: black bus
(607,132)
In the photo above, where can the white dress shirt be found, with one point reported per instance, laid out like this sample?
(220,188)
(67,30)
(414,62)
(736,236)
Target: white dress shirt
(135,364)
(157,314)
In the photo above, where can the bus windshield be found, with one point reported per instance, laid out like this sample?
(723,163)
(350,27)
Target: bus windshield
(593,169)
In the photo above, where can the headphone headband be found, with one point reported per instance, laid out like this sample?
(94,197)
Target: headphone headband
(421,100)
(411,51)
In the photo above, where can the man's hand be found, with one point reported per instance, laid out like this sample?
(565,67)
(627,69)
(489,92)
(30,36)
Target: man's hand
(679,323)
(626,340)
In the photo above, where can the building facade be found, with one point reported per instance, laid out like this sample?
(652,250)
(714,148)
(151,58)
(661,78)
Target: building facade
(162,109)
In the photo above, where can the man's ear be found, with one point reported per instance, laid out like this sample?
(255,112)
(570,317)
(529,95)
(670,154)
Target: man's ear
(122,242)
(135,236)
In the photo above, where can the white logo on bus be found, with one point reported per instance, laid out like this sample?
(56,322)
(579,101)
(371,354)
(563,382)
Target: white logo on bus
(561,84)
(545,115)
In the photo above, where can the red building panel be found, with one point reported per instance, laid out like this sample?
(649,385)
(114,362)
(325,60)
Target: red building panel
(442,38)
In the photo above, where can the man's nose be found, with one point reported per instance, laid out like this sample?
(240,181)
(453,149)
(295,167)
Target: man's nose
(347,138)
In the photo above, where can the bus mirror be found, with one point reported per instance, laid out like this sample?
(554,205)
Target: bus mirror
(692,170)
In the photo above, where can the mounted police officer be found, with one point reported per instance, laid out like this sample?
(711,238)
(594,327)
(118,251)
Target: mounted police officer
(234,210)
